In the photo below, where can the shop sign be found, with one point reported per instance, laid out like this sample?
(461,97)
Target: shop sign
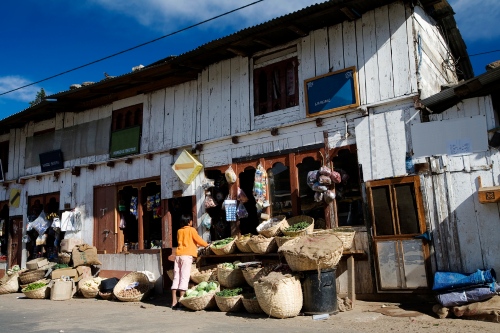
(186,167)
(125,142)
(15,197)
(51,160)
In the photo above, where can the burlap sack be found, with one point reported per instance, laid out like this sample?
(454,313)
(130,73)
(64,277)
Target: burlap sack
(84,254)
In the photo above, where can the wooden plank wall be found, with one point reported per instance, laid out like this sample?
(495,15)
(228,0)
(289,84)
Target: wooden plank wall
(464,230)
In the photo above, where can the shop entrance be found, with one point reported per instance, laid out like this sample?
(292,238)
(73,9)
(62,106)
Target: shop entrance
(4,236)
(176,208)
(15,240)
(105,232)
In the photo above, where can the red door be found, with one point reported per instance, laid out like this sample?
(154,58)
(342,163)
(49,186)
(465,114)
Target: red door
(15,239)
(105,229)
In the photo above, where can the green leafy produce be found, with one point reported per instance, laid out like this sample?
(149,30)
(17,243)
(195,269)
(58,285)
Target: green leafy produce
(298,226)
(222,242)
(201,289)
(57,266)
(35,286)
(228,265)
(202,286)
(229,292)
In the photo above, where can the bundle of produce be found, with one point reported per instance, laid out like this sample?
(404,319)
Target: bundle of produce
(207,273)
(229,300)
(223,246)
(299,226)
(312,252)
(251,304)
(260,244)
(273,226)
(89,287)
(242,243)
(279,295)
(133,287)
(37,290)
(229,275)
(201,296)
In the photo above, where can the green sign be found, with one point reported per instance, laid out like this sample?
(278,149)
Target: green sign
(125,142)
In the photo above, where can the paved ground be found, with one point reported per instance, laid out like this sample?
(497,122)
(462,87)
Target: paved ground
(19,314)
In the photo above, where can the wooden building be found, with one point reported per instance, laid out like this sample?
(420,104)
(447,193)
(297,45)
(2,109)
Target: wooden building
(338,83)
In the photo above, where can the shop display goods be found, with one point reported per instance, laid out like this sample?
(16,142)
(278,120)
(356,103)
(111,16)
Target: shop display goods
(299,226)
(28,277)
(279,295)
(242,243)
(10,284)
(260,244)
(37,290)
(133,287)
(224,246)
(89,287)
(229,276)
(229,300)
(251,304)
(201,297)
(273,226)
(312,252)
(204,274)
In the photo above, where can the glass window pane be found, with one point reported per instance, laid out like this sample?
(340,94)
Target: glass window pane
(307,205)
(382,211)
(414,264)
(279,190)
(407,209)
(387,259)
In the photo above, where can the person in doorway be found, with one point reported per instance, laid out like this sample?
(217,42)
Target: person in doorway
(188,240)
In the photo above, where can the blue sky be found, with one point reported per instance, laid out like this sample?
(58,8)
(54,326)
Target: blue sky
(44,38)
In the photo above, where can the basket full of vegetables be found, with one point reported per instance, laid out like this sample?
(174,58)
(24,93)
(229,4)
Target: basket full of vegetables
(224,246)
(229,300)
(37,290)
(242,243)
(299,226)
(230,275)
(201,296)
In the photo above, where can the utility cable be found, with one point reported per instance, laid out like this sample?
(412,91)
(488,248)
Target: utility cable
(135,47)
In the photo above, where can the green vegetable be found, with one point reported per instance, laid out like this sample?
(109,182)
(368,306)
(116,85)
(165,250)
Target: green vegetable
(202,293)
(222,242)
(35,286)
(202,286)
(57,266)
(229,292)
(228,265)
(212,286)
(298,226)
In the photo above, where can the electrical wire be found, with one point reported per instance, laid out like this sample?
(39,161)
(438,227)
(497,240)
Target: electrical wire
(493,51)
(135,47)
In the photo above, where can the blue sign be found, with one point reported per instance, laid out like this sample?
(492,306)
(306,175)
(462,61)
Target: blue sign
(331,92)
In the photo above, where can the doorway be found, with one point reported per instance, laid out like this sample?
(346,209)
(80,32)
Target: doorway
(398,221)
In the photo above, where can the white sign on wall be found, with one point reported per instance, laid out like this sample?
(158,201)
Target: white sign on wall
(461,136)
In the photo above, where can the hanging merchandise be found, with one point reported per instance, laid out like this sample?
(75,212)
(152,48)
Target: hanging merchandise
(41,224)
(324,180)
(157,206)
(150,201)
(241,212)
(56,223)
(133,206)
(241,197)
(207,183)
(318,196)
(230,206)
(319,188)
(206,220)
(329,196)
(343,176)
(312,177)
(26,239)
(230,175)
(123,223)
(260,183)
(335,177)
(324,170)
(209,201)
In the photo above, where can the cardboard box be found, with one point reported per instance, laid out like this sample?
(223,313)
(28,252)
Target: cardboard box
(83,272)
(62,290)
(36,263)
(71,272)
(67,245)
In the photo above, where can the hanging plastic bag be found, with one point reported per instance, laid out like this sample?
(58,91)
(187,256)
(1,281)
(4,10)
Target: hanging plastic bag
(241,197)
(230,175)
(319,188)
(335,177)
(56,223)
(209,201)
(26,239)
(206,220)
(318,196)
(207,183)
(260,183)
(312,177)
(241,212)
(230,206)
(324,170)
(41,224)
(324,180)
(123,223)
(329,196)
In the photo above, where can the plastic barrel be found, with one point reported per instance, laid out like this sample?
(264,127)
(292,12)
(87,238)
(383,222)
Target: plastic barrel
(320,292)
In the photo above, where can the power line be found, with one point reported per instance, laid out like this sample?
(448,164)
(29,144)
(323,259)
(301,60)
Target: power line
(134,47)
(472,55)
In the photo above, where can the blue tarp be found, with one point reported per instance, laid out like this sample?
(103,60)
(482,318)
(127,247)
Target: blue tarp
(452,280)
(471,295)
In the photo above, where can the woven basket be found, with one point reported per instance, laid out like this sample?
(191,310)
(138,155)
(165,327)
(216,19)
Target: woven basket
(208,273)
(282,299)
(297,219)
(230,278)
(228,249)
(64,258)
(229,304)
(278,222)
(22,286)
(200,302)
(261,245)
(253,274)
(282,240)
(28,277)
(106,296)
(300,263)
(144,286)
(89,291)
(251,304)
(345,234)
(40,293)
(11,285)
(242,244)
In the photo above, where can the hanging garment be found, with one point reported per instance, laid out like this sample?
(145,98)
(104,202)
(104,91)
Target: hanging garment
(133,206)
(67,223)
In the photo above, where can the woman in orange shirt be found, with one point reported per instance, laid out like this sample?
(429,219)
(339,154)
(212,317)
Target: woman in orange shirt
(188,240)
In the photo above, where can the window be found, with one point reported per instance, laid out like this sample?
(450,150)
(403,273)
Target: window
(276,86)
(127,117)
(4,155)
(126,131)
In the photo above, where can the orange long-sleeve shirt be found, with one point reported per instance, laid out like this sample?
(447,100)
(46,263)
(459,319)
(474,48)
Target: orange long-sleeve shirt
(187,239)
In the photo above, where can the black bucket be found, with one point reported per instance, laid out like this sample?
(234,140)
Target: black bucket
(320,292)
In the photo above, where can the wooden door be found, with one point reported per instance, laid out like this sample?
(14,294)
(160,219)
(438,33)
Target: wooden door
(398,223)
(105,221)
(15,240)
